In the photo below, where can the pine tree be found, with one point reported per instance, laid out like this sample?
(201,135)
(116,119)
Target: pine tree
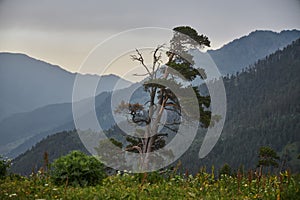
(267,158)
(177,74)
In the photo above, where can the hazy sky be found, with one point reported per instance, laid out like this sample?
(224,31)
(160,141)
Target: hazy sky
(63,32)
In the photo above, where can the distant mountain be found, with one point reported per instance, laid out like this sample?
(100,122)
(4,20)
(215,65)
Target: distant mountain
(37,124)
(263,110)
(55,145)
(245,51)
(20,131)
(34,125)
(27,84)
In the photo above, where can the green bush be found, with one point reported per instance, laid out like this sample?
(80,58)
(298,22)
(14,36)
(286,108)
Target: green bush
(225,170)
(77,169)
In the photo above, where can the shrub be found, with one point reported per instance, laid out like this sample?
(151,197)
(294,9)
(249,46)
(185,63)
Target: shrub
(77,169)
(4,165)
(225,170)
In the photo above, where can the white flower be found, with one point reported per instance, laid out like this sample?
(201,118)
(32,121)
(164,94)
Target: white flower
(11,195)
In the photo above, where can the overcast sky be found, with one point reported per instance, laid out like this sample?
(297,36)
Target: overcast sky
(63,32)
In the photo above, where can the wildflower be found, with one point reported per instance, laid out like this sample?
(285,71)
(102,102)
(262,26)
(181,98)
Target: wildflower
(11,195)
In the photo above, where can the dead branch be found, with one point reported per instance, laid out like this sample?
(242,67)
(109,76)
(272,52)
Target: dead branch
(141,74)
(173,123)
(162,135)
(174,110)
(156,58)
(134,147)
(171,129)
(140,58)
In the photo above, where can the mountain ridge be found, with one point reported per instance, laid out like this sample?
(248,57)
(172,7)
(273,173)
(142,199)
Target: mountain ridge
(246,50)
(27,83)
(253,33)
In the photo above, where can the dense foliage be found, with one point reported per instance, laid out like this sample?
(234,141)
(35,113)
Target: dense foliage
(225,170)
(127,186)
(77,169)
(267,157)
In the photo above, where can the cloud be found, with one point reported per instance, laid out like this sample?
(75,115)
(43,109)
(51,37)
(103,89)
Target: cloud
(48,29)
(79,15)
(115,15)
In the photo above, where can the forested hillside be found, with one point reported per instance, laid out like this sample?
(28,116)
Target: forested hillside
(242,52)
(263,110)
(55,145)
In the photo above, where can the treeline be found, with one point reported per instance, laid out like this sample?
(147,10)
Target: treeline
(263,110)
(55,146)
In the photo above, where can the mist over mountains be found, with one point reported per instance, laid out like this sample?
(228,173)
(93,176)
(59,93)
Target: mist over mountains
(35,96)
(245,51)
(263,110)
(27,84)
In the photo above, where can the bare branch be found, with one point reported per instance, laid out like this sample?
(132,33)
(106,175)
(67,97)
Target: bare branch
(174,105)
(173,123)
(157,59)
(147,121)
(134,147)
(140,58)
(147,102)
(155,71)
(162,135)
(171,129)
(174,110)
(141,74)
